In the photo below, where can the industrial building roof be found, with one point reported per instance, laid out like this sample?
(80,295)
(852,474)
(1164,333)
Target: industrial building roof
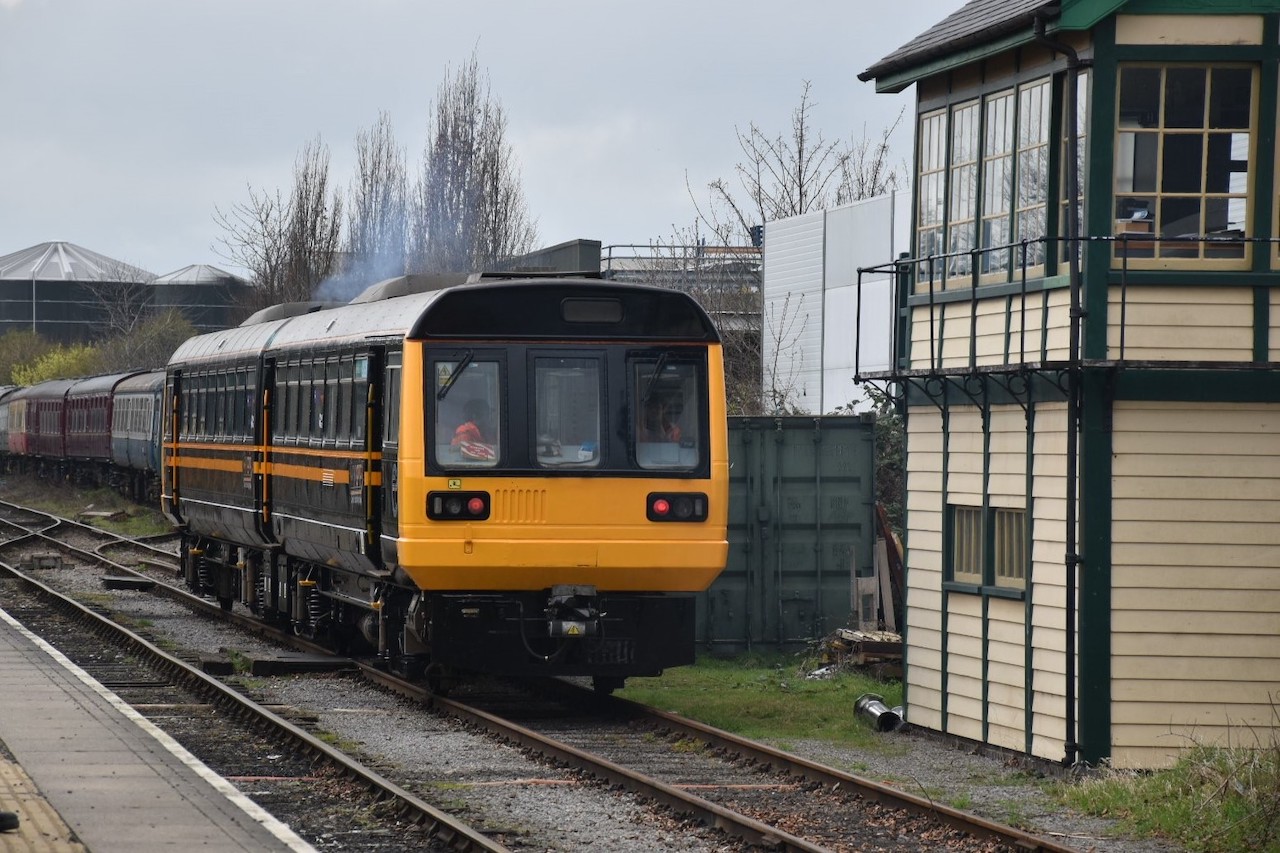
(60,261)
(199,274)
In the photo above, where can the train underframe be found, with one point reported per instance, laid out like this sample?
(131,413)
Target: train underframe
(443,636)
(141,487)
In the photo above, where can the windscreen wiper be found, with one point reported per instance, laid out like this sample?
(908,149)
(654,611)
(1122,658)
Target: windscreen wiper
(453,377)
(653,380)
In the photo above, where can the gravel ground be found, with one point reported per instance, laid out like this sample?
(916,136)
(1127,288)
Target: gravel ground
(537,807)
(541,808)
(1000,788)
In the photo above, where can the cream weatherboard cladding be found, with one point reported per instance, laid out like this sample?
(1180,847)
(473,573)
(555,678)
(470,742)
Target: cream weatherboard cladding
(1182,323)
(1005,332)
(985,658)
(1195,576)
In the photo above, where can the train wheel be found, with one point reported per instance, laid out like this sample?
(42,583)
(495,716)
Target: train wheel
(225,602)
(439,679)
(606,684)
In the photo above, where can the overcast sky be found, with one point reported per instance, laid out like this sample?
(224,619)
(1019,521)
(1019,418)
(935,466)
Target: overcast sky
(124,124)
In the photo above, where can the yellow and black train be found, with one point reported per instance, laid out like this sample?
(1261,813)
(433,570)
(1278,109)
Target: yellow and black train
(514,476)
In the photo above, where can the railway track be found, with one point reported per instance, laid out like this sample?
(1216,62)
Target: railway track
(290,770)
(762,797)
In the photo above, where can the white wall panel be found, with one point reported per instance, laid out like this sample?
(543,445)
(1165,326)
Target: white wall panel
(812,326)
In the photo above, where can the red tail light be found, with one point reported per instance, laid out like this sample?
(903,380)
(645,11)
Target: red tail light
(677,506)
(457,506)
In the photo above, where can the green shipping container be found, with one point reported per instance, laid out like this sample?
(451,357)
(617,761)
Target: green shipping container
(801,525)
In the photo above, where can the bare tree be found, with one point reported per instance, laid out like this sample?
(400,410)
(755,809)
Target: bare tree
(469,208)
(315,223)
(255,238)
(793,173)
(784,325)
(867,172)
(725,280)
(376,206)
(784,175)
(123,295)
(288,246)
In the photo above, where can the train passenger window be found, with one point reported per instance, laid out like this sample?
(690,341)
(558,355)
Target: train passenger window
(223,401)
(567,395)
(344,400)
(305,423)
(391,411)
(359,394)
(202,405)
(292,402)
(239,405)
(331,399)
(666,407)
(467,430)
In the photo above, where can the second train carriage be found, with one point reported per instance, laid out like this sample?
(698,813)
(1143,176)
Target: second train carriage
(44,422)
(467,477)
(135,435)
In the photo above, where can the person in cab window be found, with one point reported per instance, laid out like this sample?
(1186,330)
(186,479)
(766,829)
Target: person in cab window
(656,423)
(473,435)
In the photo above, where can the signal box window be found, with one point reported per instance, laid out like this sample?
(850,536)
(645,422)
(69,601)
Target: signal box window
(1011,548)
(967,540)
(666,414)
(468,415)
(1183,154)
(567,412)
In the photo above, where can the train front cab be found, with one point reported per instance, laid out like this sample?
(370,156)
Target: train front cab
(569,530)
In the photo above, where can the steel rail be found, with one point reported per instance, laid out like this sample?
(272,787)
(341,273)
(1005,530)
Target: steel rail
(829,776)
(441,825)
(738,825)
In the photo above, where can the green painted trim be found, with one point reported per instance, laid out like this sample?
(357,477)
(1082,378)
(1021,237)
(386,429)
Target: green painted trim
(990,291)
(1044,324)
(1100,160)
(1028,631)
(1198,278)
(1260,384)
(1094,635)
(988,563)
(1198,7)
(1192,53)
(951,392)
(1261,324)
(948,551)
(1264,179)
(1084,14)
(985,590)
(894,83)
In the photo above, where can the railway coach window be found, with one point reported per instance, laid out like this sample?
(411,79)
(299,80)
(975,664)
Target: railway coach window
(666,406)
(567,412)
(468,413)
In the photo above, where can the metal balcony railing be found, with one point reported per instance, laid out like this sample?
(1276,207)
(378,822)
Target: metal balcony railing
(1021,269)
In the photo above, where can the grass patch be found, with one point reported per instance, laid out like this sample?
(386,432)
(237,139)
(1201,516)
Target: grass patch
(1213,799)
(766,698)
(66,500)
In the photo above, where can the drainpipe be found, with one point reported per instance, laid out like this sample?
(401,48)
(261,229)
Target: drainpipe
(1072,557)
